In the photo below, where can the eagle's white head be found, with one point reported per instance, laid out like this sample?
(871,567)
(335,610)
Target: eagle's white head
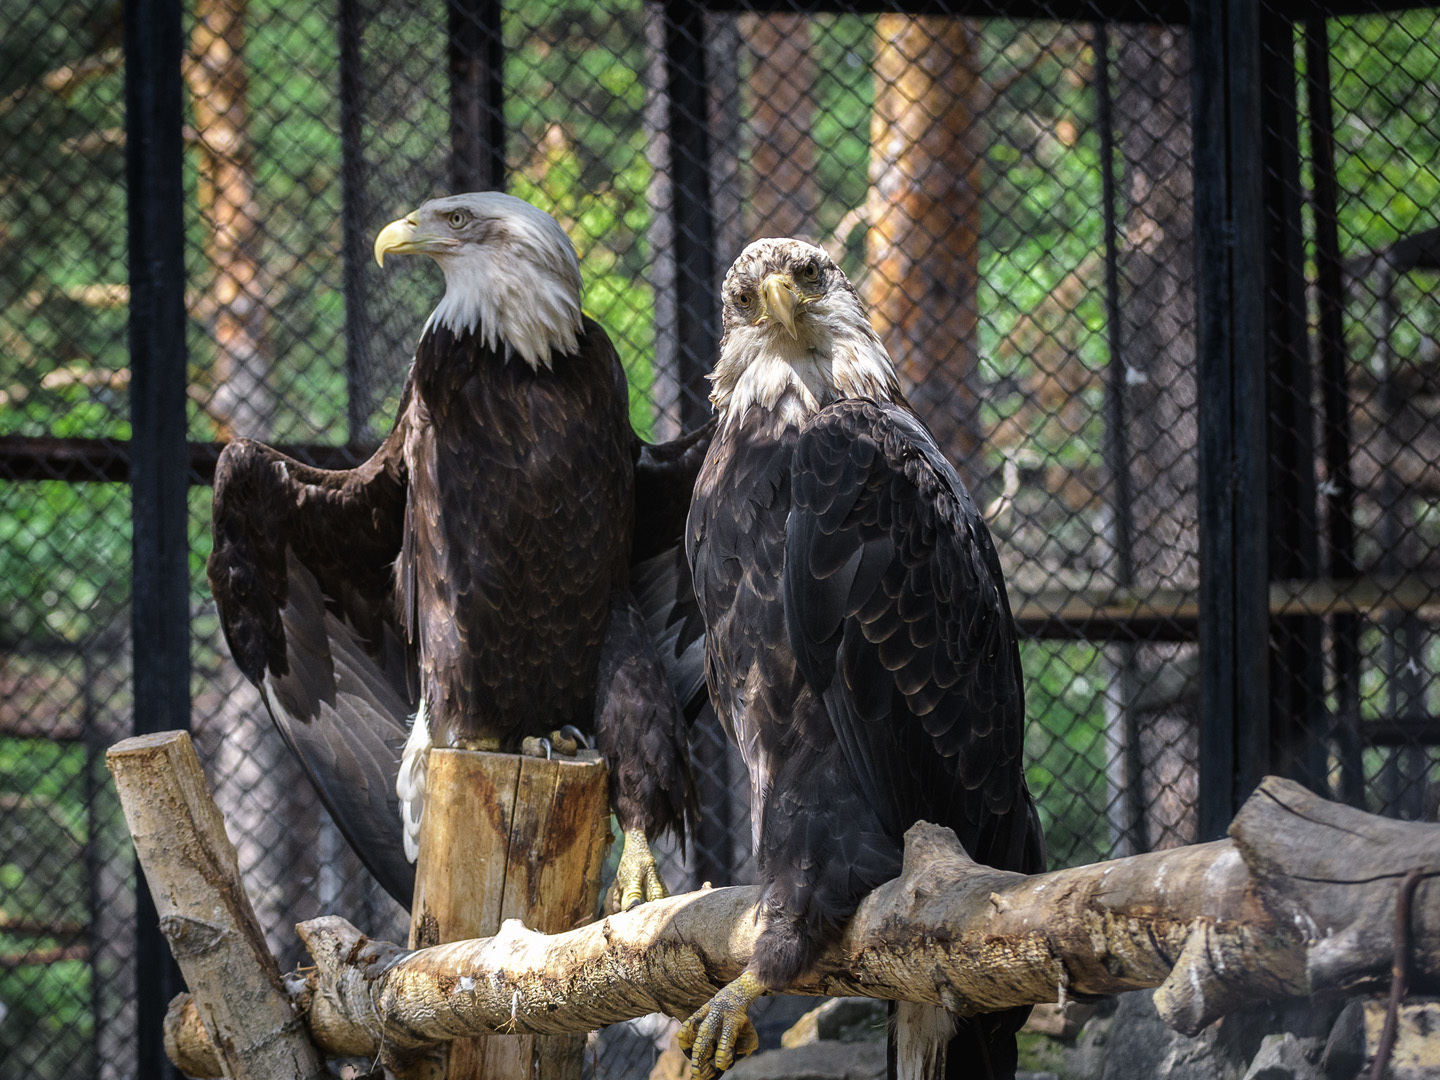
(796,335)
(511,274)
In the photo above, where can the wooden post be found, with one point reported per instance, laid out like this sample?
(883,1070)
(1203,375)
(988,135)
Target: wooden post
(205,915)
(510,837)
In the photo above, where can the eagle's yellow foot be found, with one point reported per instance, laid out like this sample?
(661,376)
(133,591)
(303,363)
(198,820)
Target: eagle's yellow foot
(637,878)
(720,1031)
(565,743)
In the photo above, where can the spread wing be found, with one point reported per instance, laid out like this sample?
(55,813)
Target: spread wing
(897,614)
(302,574)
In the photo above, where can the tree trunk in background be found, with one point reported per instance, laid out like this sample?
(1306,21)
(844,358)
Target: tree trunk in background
(781,196)
(1157,304)
(258,783)
(923,245)
(242,403)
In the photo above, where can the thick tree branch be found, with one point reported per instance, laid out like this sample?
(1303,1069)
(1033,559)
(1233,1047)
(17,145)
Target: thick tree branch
(1298,900)
(194,877)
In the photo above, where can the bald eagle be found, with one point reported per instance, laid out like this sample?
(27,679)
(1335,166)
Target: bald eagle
(476,573)
(859,646)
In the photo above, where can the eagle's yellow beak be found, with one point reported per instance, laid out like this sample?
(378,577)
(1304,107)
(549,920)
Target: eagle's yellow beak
(781,301)
(404,238)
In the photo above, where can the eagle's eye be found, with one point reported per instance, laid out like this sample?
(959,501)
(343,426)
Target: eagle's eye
(743,300)
(810,273)
(458,218)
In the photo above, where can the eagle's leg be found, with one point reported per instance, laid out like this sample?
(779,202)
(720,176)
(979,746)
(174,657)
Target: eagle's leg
(720,1030)
(637,878)
(640,732)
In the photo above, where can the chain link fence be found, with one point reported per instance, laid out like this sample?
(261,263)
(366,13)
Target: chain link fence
(1015,200)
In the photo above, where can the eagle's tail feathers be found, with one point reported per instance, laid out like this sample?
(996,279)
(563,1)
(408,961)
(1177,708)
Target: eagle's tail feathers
(410,783)
(919,1042)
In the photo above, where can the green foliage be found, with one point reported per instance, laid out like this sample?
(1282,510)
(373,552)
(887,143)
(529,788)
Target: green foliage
(576,78)
(64,559)
(1385,71)
(43,878)
(1067,747)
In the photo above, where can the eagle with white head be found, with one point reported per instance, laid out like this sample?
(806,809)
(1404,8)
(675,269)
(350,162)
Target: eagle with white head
(859,646)
(480,572)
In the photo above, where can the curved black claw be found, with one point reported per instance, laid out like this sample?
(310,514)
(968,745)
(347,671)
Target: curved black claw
(537,746)
(720,1030)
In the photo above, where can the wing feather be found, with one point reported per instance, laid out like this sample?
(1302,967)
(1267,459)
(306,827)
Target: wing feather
(302,574)
(896,611)
(659,571)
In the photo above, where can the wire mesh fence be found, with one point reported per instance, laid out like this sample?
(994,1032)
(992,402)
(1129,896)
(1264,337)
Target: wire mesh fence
(1015,200)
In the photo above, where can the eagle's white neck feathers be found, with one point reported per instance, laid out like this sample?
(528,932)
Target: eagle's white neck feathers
(836,354)
(517,283)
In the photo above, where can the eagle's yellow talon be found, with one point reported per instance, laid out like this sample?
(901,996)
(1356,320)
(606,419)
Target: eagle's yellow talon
(637,878)
(720,1030)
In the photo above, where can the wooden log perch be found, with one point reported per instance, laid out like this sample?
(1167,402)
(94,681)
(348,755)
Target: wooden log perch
(242,1005)
(507,836)
(1298,900)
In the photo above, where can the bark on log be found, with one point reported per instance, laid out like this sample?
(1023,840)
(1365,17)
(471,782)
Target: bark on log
(194,877)
(504,837)
(1298,900)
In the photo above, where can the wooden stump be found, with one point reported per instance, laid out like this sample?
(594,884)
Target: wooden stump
(510,837)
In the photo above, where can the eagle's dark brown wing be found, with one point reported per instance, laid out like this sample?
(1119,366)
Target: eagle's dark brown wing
(301,572)
(897,614)
(659,571)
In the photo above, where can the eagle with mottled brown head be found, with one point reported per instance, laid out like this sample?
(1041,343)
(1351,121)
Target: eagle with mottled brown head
(506,566)
(859,646)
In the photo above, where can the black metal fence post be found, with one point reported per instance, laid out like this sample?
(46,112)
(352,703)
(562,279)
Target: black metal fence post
(159,459)
(1297,675)
(477,95)
(1230,276)
(697,308)
(1335,398)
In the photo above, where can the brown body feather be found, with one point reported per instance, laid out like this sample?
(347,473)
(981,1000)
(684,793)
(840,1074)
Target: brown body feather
(506,574)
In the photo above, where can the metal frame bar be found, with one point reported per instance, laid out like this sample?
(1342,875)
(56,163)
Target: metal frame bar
(1296,653)
(160,603)
(697,314)
(1126,770)
(1171,12)
(1335,402)
(1230,276)
(477,95)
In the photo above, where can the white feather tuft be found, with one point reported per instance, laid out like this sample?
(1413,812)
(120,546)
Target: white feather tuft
(921,1032)
(518,286)
(834,354)
(410,784)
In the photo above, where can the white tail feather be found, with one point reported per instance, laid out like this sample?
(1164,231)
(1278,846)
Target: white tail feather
(410,784)
(921,1032)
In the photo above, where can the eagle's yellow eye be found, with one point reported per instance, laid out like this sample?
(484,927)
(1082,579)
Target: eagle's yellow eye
(810,273)
(457,218)
(743,299)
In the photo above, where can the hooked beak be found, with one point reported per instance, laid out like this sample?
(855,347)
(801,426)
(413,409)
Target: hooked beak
(781,301)
(403,238)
